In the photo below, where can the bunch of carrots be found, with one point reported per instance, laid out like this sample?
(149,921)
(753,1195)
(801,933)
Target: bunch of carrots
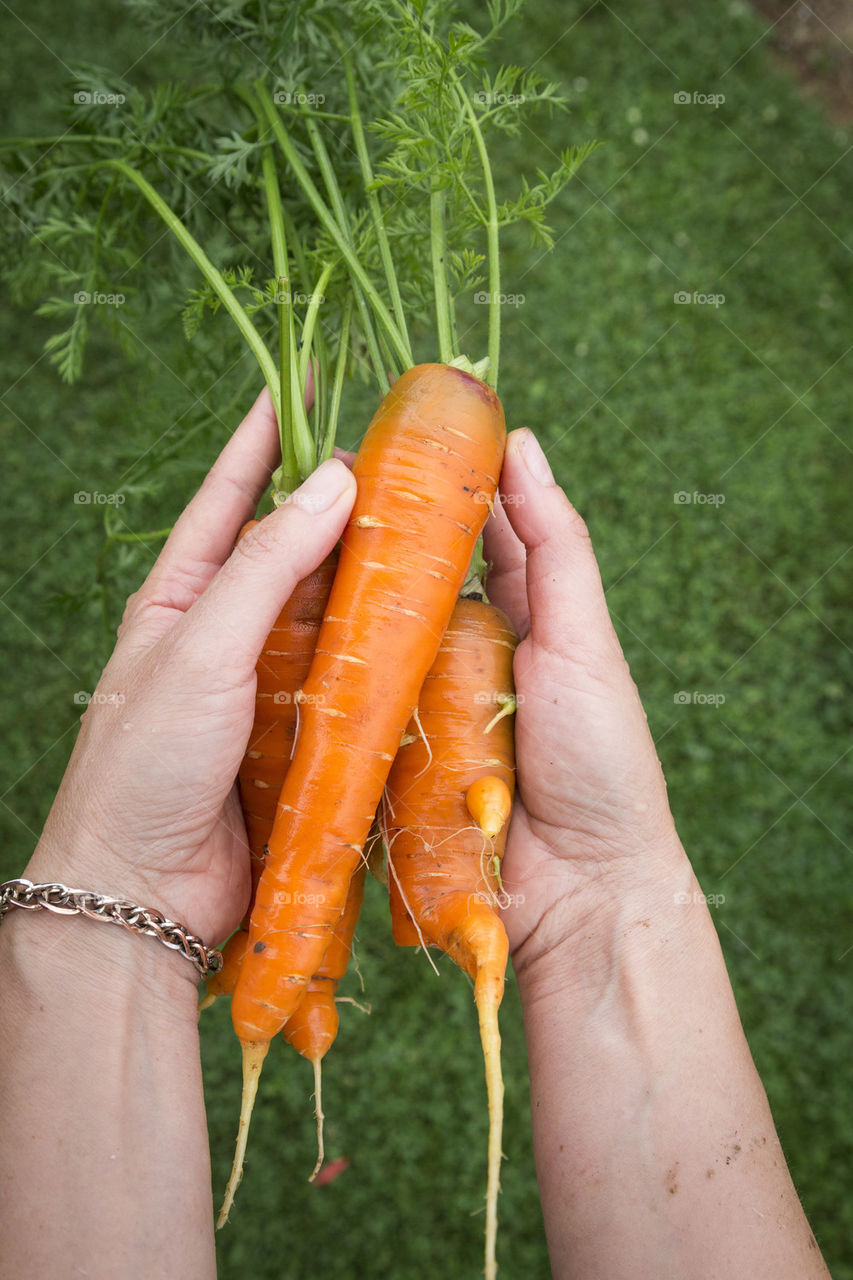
(354,763)
(421,750)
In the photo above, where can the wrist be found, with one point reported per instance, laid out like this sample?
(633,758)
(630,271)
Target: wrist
(623,922)
(69,960)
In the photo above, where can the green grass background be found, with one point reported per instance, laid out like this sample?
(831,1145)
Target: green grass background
(637,399)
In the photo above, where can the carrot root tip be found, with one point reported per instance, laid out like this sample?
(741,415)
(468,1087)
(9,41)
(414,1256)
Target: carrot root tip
(254,1052)
(320,1117)
(205,1003)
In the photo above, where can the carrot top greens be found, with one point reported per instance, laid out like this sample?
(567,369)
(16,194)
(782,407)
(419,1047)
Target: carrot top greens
(324,168)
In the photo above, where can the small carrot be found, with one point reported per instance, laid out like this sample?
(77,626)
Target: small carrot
(444,873)
(281,671)
(311,1030)
(489,802)
(427,471)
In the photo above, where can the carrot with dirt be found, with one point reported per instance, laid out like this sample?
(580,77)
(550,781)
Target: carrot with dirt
(427,473)
(443,864)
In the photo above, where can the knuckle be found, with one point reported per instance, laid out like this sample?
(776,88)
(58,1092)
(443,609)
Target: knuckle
(133,607)
(259,542)
(576,526)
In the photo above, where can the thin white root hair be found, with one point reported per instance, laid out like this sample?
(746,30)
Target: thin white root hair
(393,870)
(318,1113)
(296,701)
(364,1008)
(417,721)
(487,868)
(356,966)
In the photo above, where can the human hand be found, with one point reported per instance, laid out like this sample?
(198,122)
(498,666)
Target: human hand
(591,826)
(148,808)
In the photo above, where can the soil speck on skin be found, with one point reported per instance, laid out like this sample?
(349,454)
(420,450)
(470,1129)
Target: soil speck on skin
(670,1179)
(710,1173)
(259,947)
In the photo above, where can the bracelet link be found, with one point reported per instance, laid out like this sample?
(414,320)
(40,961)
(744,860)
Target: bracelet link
(61,900)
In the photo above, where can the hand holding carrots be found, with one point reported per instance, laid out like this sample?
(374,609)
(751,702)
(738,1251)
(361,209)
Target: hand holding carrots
(148,808)
(591,821)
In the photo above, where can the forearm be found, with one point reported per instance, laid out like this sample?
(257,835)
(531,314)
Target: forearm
(104,1161)
(655,1147)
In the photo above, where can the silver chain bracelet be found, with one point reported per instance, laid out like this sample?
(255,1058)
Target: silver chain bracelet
(66,902)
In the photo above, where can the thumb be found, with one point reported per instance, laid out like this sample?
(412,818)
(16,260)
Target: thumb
(226,627)
(568,611)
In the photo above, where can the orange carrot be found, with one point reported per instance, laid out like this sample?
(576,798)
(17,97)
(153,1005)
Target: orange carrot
(281,672)
(427,472)
(443,869)
(489,801)
(313,1027)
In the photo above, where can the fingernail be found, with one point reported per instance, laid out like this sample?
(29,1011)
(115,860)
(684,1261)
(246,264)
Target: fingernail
(322,488)
(535,460)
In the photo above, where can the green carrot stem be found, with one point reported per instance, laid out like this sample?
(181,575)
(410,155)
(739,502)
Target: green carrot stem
(298,455)
(373,201)
(317,297)
(437,203)
(211,274)
(339,211)
(15,144)
(289,474)
(492,240)
(322,211)
(320,348)
(150,535)
(328,441)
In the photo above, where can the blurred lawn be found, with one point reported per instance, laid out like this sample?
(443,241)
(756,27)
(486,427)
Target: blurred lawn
(744,599)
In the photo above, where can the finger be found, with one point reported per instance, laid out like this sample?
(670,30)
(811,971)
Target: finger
(568,611)
(205,533)
(507,580)
(226,627)
(347,456)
